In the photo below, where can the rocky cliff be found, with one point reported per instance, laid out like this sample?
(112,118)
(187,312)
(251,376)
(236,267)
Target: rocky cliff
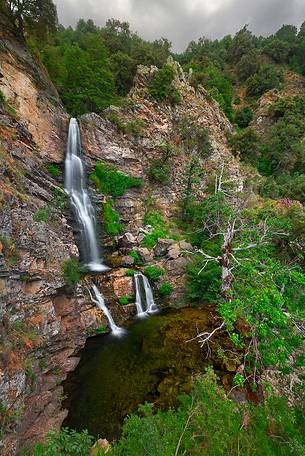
(44,322)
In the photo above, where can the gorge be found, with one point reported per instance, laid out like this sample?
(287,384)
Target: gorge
(151,242)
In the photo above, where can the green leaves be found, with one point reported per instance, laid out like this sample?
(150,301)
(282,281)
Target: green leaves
(113,182)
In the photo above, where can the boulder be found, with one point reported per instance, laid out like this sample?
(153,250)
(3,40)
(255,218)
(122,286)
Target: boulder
(127,241)
(127,260)
(163,246)
(174,252)
(145,254)
(186,246)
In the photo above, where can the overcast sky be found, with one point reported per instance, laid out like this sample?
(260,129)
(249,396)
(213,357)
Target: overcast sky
(184,20)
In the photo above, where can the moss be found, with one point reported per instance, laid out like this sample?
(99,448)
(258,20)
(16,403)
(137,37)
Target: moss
(124,300)
(111,220)
(53,170)
(112,182)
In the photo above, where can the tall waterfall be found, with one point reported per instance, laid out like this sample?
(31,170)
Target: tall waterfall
(100,302)
(75,186)
(144,296)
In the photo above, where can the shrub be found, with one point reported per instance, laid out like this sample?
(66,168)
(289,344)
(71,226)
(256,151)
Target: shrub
(199,428)
(166,289)
(130,272)
(161,87)
(137,260)
(72,271)
(154,272)
(65,443)
(112,182)
(268,77)
(159,171)
(101,330)
(124,300)
(111,220)
(41,215)
(159,230)
(134,127)
(247,145)
(243,117)
(53,170)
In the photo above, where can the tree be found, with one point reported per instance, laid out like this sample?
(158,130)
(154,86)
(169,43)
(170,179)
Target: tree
(38,16)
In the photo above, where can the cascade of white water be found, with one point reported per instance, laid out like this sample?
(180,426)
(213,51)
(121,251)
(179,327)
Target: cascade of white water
(75,186)
(144,295)
(100,302)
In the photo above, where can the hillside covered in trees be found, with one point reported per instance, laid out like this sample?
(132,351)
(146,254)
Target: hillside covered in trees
(196,162)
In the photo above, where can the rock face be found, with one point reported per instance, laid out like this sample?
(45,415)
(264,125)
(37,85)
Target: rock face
(44,322)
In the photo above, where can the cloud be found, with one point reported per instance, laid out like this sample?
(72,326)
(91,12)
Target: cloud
(182,21)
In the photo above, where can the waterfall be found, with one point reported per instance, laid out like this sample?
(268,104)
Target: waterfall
(100,302)
(144,295)
(75,186)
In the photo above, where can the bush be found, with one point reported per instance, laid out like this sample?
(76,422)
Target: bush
(208,423)
(130,272)
(72,271)
(159,172)
(155,220)
(166,289)
(111,220)
(247,145)
(153,272)
(243,117)
(136,257)
(65,443)
(161,87)
(112,182)
(53,170)
(42,215)
(268,77)
(133,127)
(124,300)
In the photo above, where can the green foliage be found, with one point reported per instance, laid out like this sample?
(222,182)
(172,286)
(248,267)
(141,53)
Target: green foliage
(137,261)
(111,220)
(216,430)
(243,117)
(65,443)
(247,145)
(134,127)
(124,300)
(159,230)
(161,87)
(130,272)
(268,77)
(37,18)
(72,271)
(101,330)
(160,169)
(8,417)
(41,215)
(53,170)
(112,182)
(154,272)
(166,289)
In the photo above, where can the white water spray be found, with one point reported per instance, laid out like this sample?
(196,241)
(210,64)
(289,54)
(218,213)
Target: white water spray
(100,302)
(144,296)
(75,186)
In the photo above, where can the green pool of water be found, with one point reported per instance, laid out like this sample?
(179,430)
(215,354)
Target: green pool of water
(153,362)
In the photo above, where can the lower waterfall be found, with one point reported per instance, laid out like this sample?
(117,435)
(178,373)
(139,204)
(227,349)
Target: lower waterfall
(144,296)
(100,302)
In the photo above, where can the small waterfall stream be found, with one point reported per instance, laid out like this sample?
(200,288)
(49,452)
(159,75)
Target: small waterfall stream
(100,302)
(75,186)
(144,296)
